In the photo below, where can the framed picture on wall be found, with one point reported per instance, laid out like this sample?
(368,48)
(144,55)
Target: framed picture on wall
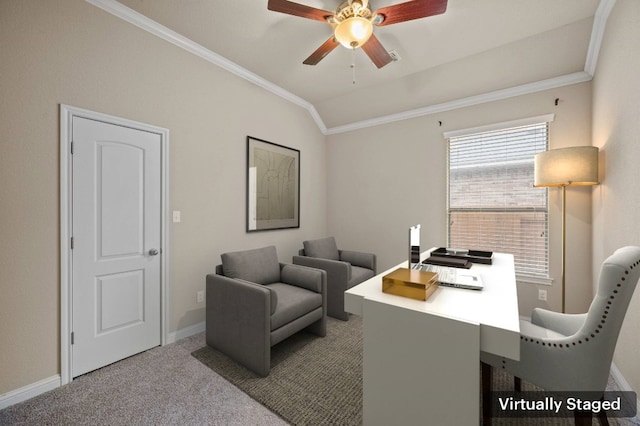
(273,186)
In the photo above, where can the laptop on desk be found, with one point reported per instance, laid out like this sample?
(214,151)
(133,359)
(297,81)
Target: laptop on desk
(454,277)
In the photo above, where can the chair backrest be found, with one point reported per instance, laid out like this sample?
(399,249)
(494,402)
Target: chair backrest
(259,266)
(325,248)
(618,278)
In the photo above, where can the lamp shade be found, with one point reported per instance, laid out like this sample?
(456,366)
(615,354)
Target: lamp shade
(575,166)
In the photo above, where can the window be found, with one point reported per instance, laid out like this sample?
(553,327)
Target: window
(492,204)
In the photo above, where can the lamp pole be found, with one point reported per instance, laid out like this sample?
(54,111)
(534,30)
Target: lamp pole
(564,235)
(562,167)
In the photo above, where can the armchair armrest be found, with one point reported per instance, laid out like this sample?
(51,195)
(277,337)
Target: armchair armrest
(238,318)
(301,276)
(337,271)
(566,324)
(272,294)
(234,298)
(357,258)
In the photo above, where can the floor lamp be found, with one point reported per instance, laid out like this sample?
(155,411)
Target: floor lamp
(575,166)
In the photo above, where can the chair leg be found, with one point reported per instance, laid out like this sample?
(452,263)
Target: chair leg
(517,384)
(602,415)
(486,391)
(582,418)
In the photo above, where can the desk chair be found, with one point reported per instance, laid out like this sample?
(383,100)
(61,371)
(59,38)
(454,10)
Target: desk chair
(254,302)
(345,269)
(573,352)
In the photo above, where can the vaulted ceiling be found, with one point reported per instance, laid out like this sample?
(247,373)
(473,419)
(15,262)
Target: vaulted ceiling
(476,47)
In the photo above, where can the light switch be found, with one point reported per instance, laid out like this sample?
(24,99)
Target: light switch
(176,216)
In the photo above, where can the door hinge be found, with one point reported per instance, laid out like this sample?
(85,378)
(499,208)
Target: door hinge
(71,243)
(72,337)
(71,147)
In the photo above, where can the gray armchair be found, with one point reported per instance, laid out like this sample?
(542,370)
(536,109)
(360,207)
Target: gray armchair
(255,302)
(573,352)
(344,268)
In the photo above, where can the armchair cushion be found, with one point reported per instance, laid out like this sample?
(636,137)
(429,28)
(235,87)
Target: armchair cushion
(293,302)
(259,265)
(325,248)
(359,275)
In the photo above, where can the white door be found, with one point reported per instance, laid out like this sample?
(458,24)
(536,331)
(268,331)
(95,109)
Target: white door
(116,234)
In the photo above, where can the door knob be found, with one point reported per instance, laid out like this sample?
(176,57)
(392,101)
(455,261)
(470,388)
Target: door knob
(153,252)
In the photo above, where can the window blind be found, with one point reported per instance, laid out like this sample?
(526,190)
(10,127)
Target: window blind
(492,204)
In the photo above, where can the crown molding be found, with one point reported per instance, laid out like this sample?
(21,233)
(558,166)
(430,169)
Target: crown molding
(129,15)
(597,34)
(139,20)
(524,89)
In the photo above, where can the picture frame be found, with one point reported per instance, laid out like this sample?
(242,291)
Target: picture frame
(273,186)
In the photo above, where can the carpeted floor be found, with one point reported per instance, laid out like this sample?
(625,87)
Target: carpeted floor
(168,386)
(313,380)
(318,381)
(162,386)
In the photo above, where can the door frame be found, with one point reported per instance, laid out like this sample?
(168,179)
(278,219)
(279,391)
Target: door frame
(66,302)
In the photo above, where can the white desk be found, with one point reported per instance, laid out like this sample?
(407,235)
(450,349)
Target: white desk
(421,359)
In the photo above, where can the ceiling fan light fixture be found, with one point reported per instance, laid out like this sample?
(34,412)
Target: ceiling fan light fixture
(353,32)
(352,23)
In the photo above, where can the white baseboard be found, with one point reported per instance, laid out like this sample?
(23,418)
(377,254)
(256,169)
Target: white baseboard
(34,389)
(185,332)
(622,383)
(27,392)
(617,376)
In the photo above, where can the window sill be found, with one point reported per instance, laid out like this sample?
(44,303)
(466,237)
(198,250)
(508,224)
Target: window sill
(530,279)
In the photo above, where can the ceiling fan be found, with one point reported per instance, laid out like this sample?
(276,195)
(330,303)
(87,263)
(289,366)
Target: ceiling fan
(353,21)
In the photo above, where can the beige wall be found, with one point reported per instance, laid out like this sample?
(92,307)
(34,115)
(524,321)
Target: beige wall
(73,53)
(616,131)
(383,179)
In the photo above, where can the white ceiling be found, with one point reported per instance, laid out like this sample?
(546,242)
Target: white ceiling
(475,47)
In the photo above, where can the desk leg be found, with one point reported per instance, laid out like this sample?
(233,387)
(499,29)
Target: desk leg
(487,379)
(419,368)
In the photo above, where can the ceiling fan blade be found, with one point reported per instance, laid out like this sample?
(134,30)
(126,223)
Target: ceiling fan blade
(414,9)
(322,51)
(297,9)
(376,52)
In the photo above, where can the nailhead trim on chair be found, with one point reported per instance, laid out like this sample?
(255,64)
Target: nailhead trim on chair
(567,345)
(596,331)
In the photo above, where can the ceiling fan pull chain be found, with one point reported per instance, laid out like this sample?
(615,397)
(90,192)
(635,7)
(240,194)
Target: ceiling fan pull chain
(353,64)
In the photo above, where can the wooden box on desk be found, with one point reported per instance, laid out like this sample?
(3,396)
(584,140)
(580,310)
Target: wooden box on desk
(410,283)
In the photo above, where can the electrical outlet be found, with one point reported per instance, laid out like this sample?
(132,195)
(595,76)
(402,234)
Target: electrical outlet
(542,295)
(200,296)
(176,216)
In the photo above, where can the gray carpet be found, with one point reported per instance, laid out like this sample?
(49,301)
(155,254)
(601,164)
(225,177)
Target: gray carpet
(313,380)
(168,386)
(162,386)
